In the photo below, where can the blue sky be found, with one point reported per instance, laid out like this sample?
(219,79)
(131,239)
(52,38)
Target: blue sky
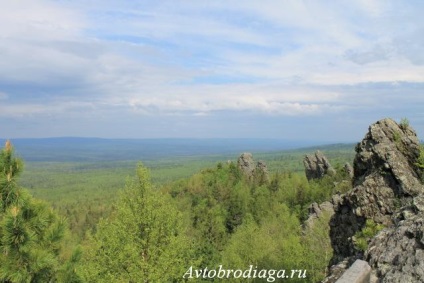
(299,70)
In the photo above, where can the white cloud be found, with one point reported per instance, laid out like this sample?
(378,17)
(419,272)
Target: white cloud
(290,58)
(55,108)
(262,99)
(307,37)
(374,8)
(21,110)
(38,20)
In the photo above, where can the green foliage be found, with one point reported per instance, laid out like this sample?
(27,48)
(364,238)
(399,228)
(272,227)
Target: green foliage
(295,190)
(404,123)
(318,249)
(143,241)
(31,233)
(239,222)
(218,201)
(84,191)
(274,243)
(215,216)
(363,237)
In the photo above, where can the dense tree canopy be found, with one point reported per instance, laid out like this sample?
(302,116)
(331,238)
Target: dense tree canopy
(143,241)
(217,217)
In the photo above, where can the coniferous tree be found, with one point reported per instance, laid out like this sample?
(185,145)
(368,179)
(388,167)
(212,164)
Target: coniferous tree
(30,232)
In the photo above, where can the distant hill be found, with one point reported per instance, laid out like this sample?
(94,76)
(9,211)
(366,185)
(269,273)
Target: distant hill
(69,149)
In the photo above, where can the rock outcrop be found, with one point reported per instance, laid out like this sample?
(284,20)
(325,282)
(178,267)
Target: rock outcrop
(387,190)
(246,164)
(252,171)
(384,181)
(317,165)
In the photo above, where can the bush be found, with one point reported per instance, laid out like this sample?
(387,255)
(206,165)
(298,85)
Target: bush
(404,123)
(363,237)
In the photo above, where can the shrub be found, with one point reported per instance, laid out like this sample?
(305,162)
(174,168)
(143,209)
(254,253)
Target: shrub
(363,237)
(404,123)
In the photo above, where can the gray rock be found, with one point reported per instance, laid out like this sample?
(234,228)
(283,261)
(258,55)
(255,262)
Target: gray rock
(388,191)
(336,271)
(392,149)
(384,181)
(254,172)
(418,203)
(359,272)
(396,254)
(246,164)
(317,165)
(316,210)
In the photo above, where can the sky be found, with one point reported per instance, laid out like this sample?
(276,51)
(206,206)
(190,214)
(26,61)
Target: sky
(291,69)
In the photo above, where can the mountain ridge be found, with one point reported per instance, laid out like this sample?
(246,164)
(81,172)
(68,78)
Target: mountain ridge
(100,149)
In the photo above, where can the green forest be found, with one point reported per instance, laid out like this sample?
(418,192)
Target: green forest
(164,220)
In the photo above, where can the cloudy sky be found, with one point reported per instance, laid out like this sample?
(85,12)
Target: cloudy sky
(312,69)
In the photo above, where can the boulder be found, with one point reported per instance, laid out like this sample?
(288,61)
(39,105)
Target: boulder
(359,272)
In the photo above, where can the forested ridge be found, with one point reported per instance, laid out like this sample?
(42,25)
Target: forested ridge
(154,232)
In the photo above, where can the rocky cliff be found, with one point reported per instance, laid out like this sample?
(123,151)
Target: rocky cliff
(387,191)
